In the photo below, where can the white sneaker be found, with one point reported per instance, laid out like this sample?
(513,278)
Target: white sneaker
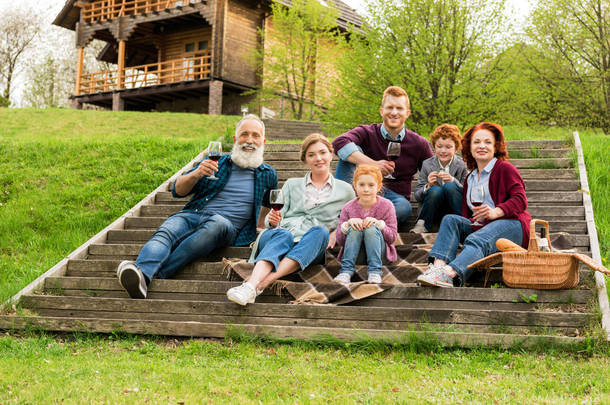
(132,279)
(436,277)
(374,278)
(343,278)
(419,227)
(243,294)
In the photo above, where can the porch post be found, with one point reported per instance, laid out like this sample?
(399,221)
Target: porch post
(121,65)
(215,97)
(79,70)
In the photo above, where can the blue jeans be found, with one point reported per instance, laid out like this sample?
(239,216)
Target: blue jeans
(374,247)
(182,239)
(456,229)
(345,171)
(275,244)
(438,202)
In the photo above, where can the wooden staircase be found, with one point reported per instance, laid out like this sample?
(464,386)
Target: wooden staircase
(82,293)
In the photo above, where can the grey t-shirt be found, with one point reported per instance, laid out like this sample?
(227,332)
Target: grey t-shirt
(235,201)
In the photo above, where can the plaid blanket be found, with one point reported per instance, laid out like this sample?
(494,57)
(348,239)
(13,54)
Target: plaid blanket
(315,284)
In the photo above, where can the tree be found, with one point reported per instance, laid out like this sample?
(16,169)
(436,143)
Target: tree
(573,38)
(437,50)
(295,40)
(18,29)
(50,82)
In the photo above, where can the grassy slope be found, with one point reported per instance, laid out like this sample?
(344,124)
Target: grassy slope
(66,174)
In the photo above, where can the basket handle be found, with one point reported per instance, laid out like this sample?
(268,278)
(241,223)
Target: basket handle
(533,243)
(591,263)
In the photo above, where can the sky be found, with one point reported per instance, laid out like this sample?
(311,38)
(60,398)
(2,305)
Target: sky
(517,9)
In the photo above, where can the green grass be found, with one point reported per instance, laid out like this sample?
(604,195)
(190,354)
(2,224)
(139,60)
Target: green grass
(127,369)
(66,174)
(596,148)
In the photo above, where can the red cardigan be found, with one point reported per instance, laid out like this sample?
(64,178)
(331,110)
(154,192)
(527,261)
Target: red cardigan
(507,192)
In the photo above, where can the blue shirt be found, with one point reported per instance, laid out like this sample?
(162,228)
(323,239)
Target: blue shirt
(474,181)
(351,147)
(234,202)
(265,179)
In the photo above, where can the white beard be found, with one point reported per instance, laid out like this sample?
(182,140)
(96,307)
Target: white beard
(247,160)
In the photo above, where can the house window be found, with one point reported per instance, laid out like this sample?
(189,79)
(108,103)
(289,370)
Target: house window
(189,47)
(202,45)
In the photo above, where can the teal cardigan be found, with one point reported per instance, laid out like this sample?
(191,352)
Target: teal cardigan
(298,220)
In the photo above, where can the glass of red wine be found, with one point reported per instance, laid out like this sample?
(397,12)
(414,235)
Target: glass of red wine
(214,153)
(276,198)
(477,196)
(393,153)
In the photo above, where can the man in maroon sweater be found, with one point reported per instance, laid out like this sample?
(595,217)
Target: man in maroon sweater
(368,144)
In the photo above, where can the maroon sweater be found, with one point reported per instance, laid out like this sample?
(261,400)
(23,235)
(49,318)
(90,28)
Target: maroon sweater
(414,151)
(507,192)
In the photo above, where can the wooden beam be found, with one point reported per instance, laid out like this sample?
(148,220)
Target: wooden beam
(79,69)
(121,64)
(594,245)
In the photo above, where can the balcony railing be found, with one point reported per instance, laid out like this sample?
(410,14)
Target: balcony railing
(171,71)
(104,10)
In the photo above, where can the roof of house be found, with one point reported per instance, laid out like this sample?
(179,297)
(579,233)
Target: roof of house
(70,13)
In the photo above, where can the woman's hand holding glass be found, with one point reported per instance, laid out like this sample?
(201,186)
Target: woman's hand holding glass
(274,217)
(486,213)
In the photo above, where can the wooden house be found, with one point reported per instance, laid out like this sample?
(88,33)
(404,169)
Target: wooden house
(172,55)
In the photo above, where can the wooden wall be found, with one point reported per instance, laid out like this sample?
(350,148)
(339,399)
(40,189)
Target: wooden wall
(242,20)
(172,45)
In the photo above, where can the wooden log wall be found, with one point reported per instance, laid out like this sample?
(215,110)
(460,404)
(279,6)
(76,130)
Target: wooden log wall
(172,46)
(241,38)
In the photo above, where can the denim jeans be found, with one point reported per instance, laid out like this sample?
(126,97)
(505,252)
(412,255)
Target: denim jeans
(456,229)
(345,171)
(275,244)
(182,239)
(438,202)
(368,241)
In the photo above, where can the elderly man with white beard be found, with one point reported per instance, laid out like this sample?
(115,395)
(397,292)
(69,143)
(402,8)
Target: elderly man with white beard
(221,213)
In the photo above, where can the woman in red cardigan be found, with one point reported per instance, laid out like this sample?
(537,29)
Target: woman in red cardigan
(493,207)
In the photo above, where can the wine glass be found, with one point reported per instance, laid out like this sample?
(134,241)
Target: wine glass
(214,153)
(276,198)
(477,196)
(392,154)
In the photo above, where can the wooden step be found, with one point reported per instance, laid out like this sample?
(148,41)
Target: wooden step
(539,145)
(515,154)
(282,163)
(533,197)
(402,296)
(213,271)
(537,184)
(174,309)
(527,174)
(220,330)
(538,211)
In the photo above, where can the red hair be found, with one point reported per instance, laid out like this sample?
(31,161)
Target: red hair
(371,170)
(447,131)
(500,151)
(395,91)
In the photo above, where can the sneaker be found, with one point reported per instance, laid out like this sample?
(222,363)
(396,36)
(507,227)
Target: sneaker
(374,278)
(132,279)
(435,277)
(419,227)
(343,278)
(243,294)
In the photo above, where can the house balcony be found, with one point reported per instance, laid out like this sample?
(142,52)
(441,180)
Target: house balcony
(153,74)
(105,10)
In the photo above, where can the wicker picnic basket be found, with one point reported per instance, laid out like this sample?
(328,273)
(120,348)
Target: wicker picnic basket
(535,269)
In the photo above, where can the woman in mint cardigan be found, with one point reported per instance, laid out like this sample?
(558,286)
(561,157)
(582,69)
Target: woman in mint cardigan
(300,233)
